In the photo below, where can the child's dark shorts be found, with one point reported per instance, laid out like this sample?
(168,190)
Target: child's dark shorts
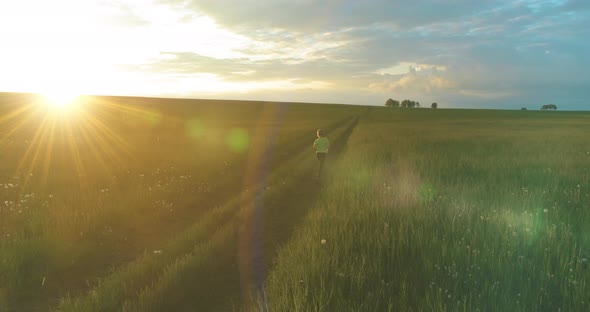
(321,156)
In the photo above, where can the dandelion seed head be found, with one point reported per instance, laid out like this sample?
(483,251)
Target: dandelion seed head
(323,241)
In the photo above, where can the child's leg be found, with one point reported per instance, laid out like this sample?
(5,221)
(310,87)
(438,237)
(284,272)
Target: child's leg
(321,157)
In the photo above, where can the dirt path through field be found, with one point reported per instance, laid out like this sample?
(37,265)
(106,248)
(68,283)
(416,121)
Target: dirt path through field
(224,256)
(283,216)
(274,223)
(235,270)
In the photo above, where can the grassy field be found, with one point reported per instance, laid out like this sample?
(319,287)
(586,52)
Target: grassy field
(447,210)
(135,204)
(111,205)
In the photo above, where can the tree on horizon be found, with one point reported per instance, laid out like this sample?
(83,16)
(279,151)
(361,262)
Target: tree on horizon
(392,103)
(549,107)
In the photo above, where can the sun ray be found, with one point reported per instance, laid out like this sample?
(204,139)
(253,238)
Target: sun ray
(108,133)
(76,158)
(79,147)
(96,153)
(117,110)
(13,129)
(49,149)
(15,113)
(34,145)
(103,142)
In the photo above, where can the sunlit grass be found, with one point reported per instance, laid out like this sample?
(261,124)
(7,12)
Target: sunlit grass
(142,204)
(60,125)
(452,218)
(118,181)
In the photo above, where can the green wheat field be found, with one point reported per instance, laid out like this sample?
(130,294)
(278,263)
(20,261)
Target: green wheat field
(144,204)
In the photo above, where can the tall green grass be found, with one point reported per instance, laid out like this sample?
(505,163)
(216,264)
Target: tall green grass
(422,209)
(446,210)
(131,181)
(159,281)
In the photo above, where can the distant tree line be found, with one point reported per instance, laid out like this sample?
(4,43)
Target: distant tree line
(549,107)
(405,104)
(392,103)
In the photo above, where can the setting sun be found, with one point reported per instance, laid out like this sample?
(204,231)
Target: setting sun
(59,101)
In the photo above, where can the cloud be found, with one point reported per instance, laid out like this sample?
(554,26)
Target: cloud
(462,51)
(576,5)
(405,67)
(122,14)
(319,16)
(485,94)
(243,69)
(424,79)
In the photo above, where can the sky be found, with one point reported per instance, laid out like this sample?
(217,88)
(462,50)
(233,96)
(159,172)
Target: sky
(459,53)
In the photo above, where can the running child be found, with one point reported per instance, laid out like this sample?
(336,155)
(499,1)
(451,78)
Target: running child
(321,145)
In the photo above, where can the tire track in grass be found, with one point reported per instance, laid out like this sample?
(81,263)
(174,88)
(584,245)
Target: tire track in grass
(117,284)
(127,282)
(227,280)
(150,233)
(273,223)
(286,212)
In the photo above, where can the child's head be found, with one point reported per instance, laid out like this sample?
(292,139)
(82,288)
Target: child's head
(320,133)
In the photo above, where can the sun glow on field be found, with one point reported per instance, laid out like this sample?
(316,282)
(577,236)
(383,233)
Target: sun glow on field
(68,136)
(60,101)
